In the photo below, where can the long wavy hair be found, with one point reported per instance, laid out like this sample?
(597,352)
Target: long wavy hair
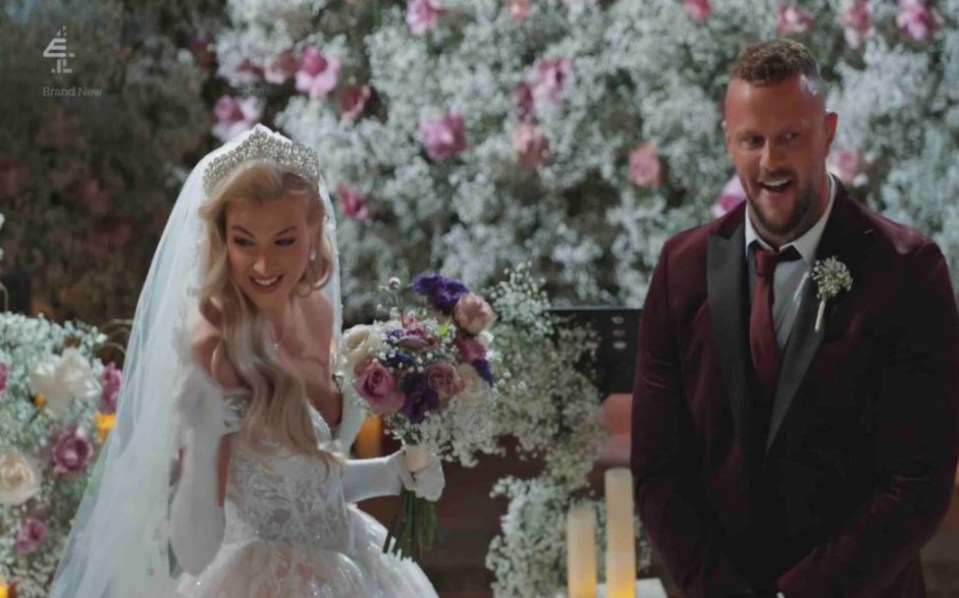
(278,406)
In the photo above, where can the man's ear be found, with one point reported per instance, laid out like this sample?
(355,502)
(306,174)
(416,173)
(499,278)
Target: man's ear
(831,122)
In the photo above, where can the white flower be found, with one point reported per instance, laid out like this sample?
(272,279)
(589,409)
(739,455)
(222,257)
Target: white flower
(359,343)
(19,479)
(832,277)
(61,379)
(476,390)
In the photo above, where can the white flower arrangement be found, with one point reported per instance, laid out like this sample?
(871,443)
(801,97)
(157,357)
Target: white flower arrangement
(48,444)
(831,277)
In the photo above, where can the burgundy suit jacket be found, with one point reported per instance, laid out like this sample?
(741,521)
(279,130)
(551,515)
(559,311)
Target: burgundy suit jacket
(834,490)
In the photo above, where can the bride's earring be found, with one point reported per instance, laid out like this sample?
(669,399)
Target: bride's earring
(312,254)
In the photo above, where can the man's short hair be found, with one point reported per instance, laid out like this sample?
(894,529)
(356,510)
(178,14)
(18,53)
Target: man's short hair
(775,61)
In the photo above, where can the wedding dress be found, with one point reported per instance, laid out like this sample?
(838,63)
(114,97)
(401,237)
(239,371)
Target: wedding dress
(290,533)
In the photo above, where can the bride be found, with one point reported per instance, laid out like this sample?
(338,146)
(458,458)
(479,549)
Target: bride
(225,475)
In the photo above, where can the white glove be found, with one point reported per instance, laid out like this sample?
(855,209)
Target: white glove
(386,476)
(196,518)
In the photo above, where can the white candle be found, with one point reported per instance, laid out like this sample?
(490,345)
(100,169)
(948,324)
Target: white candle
(581,552)
(620,534)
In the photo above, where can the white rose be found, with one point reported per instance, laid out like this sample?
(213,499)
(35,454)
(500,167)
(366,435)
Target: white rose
(485,338)
(19,479)
(61,379)
(359,343)
(476,390)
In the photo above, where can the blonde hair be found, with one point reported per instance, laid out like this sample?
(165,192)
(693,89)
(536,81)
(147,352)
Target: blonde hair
(278,406)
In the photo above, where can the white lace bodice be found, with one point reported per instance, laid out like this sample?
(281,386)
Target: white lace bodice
(282,496)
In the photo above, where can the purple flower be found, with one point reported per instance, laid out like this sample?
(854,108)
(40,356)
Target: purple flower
(524,105)
(399,360)
(443,137)
(917,19)
(856,20)
(421,15)
(236,116)
(318,74)
(791,19)
(442,292)
(353,202)
(552,76)
(484,370)
(110,380)
(420,398)
(31,534)
(377,385)
(470,349)
(4,370)
(72,451)
(353,100)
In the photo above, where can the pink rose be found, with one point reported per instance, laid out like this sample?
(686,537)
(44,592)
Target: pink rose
(318,74)
(698,10)
(377,385)
(236,116)
(552,75)
(353,100)
(469,348)
(856,20)
(849,166)
(443,137)
(14,176)
(416,338)
(4,370)
(352,202)
(532,149)
(791,19)
(94,196)
(422,15)
(524,105)
(644,167)
(445,381)
(281,69)
(200,49)
(519,9)
(31,534)
(71,451)
(473,314)
(110,381)
(731,196)
(917,19)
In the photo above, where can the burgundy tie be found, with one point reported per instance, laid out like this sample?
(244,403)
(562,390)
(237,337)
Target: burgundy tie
(762,330)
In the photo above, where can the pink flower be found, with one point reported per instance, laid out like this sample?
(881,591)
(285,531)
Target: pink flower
(519,9)
(377,385)
(94,196)
(470,349)
(416,338)
(4,370)
(644,167)
(698,10)
(14,176)
(200,48)
(318,74)
(849,166)
(31,534)
(445,380)
(532,149)
(856,20)
(353,100)
(524,106)
(280,70)
(110,382)
(236,116)
(552,74)
(791,19)
(731,196)
(71,451)
(421,15)
(917,19)
(473,314)
(443,137)
(352,202)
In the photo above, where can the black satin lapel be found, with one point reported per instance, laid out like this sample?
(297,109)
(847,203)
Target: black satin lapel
(725,271)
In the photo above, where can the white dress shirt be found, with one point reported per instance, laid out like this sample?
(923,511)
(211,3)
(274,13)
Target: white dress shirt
(791,278)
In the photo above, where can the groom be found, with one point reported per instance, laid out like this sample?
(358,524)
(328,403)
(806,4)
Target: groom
(773,456)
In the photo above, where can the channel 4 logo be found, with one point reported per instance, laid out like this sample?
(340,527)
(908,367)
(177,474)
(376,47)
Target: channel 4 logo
(57,48)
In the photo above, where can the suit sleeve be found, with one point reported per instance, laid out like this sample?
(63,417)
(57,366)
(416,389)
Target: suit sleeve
(665,462)
(917,426)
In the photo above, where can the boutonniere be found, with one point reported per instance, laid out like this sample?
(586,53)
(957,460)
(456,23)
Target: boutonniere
(831,276)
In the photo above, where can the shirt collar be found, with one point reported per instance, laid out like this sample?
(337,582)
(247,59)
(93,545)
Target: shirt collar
(807,244)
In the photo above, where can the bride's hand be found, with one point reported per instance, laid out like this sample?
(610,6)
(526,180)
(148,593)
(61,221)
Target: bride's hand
(427,482)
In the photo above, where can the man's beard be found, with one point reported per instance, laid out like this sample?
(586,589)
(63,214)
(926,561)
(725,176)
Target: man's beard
(805,202)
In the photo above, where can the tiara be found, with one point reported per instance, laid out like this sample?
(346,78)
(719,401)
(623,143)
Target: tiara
(262,145)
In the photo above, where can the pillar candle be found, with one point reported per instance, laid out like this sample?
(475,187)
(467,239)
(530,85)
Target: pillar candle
(369,440)
(581,580)
(620,534)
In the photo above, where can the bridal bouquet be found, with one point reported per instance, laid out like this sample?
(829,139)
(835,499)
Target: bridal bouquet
(427,369)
